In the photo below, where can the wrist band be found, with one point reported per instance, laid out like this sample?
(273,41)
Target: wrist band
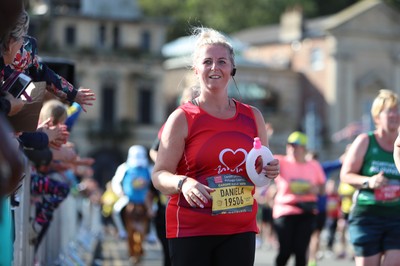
(180,183)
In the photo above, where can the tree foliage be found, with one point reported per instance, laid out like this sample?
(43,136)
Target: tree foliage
(234,15)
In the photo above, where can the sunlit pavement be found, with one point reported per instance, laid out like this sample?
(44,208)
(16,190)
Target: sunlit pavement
(266,256)
(113,252)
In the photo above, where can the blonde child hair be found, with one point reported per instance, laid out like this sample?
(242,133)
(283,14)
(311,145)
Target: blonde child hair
(53,109)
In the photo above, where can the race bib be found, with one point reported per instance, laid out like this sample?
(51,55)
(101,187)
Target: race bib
(300,186)
(232,194)
(387,193)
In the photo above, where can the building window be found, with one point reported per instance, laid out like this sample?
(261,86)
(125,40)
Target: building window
(102,35)
(270,103)
(108,108)
(317,59)
(116,43)
(146,40)
(70,35)
(145,106)
(257,95)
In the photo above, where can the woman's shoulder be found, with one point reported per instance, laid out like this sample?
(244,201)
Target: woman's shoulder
(363,139)
(189,110)
(244,105)
(183,110)
(176,119)
(188,107)
(248,109)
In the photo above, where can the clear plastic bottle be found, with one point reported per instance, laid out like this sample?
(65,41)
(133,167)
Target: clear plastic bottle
(259,179)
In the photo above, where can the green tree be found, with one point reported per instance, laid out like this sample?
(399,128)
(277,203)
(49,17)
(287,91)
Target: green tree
(326,7)
(234,15)
(225,15)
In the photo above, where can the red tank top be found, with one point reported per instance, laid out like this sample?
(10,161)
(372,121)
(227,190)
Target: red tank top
(215,152)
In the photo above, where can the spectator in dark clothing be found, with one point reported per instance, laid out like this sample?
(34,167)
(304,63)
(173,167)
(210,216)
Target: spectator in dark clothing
(9,11)
(10,155)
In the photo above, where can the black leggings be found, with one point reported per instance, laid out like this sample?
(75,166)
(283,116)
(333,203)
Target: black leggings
(221,250)
(294,233)
(161,234)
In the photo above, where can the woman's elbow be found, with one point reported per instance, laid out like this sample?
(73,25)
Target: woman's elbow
(343,177)
(155,179)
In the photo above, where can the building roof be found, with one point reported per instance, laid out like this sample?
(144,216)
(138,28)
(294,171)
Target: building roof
(183,46)
(349,13)
(128,9)
(185,62)
(315,27)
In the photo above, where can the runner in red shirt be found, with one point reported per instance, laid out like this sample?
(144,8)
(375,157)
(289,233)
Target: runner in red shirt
(211,215)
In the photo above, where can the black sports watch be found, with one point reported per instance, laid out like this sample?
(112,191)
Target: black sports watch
(180,184)
(365,184)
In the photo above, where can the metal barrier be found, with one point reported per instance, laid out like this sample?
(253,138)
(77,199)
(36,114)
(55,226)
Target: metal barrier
(71,238)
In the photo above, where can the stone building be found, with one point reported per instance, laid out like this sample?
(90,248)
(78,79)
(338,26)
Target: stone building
(256,83)
(344,59)
(317,75)
(116,52)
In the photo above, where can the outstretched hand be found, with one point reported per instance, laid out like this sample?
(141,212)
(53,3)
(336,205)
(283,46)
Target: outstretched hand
(57,134)
(85,97)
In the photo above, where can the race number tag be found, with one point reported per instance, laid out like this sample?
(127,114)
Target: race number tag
(232,194)
(300,186)
(387,193)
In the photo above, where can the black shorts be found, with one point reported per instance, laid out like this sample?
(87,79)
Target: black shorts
(320,221)
(221,250)
(266,214)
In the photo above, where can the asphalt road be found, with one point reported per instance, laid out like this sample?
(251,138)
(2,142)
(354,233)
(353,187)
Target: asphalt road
(113,252)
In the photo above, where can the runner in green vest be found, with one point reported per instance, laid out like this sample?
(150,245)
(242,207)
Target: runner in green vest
(374,222)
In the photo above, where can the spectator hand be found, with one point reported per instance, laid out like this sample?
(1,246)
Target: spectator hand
(59,166)
(85,97)
(58,135)
(66,153)
(16,104)
(84,161)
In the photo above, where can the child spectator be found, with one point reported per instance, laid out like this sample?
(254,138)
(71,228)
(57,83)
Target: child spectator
(48,184)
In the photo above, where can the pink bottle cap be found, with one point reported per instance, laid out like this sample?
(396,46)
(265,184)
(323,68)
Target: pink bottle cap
(257,143)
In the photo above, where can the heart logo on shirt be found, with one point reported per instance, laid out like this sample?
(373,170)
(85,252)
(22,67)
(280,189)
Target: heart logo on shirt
(229,157)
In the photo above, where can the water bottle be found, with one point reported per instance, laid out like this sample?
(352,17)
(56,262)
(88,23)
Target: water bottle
(258,150)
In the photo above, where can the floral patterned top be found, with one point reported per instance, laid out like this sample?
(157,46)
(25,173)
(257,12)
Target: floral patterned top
(27,61)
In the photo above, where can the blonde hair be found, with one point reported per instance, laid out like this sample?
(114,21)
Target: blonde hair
(208,36)
(53,109)
(189,94)
(385,99)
